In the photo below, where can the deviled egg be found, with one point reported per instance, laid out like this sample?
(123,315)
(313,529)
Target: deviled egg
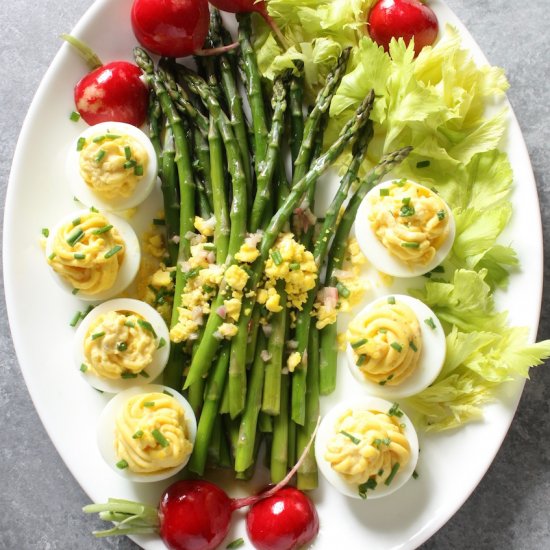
(366,448)
(395,346)
(112,166)
(94,255)
(121,343)
(404,229)
(147,433)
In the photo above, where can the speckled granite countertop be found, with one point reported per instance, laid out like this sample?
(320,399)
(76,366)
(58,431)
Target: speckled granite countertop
(39,499)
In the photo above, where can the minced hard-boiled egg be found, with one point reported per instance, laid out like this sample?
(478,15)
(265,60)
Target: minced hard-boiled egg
(404,229)
(367,448)
(95,255)
(112,166)
(121,343)
(395,346)
(147,433)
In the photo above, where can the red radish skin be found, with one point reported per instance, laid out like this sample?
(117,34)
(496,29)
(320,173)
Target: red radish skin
(286,520)
(403,18)
(174,28)
(112,92)
(194,515)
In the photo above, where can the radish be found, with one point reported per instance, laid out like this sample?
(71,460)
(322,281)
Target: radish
(196,515)
(284,521)
(252,6)
(403,18)
(173,28)
(109,93)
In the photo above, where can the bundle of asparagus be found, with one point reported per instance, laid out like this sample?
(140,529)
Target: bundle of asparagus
(216,164)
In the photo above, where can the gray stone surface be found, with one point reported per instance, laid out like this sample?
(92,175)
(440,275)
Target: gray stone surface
(39,500)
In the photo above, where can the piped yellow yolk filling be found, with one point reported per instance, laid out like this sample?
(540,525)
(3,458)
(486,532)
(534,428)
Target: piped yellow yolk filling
(112,165)
(88,253)
(119,344)
(411,221)
(151,433)
(367,445)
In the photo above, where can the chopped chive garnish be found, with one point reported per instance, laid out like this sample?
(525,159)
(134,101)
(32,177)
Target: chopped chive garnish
(423,164)
(441,214)
(127,152)
(46,232)
(122,464)
(113,251)
(361,360)
(382,382)
(160,439)
(101,153)
(122,346)
(75,236)
(351,437)
(377,442)
(97,335)
(209,246)
(392,474)
(147,326)
(159,221)
(111,136)
(80,144)
(149,404)
(51,256)
(407,211)
(385,192)
(144,374)
(401,182)
(99,139)
(76,221)
(395,411)
(276,257)
(88,309)
(430,322)
(397,346)
(129,164)
(162,343)
(101,230)
(391,300)
(75,291)
(294,266)
(359,343)
(415,474)
(364,487)
(412,345)
(129,324)
(138,434)
(79,256)
(83,367)
(138,170)
(406,200)
(380,472)
(128,375)
(94,209)
(235,544)
(167,393)
(74,116)
(75,319)
(410,245)
(343,290)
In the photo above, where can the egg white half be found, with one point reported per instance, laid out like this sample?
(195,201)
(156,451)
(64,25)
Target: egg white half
(326,431)
(380,257)
(160,357)
(106,431)
(128,269)
(145,185)
(430,362)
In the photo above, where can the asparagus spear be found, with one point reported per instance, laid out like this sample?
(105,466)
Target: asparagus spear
(329,352)
(295,99)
